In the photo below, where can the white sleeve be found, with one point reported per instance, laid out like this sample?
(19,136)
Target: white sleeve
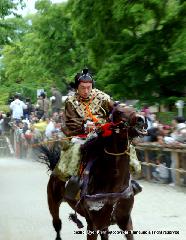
(1,121)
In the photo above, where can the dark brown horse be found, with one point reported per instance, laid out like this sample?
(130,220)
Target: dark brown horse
(107,195)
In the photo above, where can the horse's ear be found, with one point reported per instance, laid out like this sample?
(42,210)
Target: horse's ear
(116,103)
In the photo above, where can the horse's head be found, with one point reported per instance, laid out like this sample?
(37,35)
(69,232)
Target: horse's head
(124,119)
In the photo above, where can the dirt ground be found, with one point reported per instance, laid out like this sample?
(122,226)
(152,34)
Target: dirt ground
(24,212)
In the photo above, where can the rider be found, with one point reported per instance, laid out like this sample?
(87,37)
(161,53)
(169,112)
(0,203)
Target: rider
(86,109)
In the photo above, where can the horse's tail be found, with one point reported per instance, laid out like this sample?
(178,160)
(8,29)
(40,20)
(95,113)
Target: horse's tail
(73,217)
(50,155)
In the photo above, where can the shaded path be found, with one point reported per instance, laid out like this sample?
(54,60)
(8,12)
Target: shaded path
(24,212)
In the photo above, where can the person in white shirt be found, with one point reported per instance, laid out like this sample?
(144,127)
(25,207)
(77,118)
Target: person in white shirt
(1,122)
(17,107)
(50,129)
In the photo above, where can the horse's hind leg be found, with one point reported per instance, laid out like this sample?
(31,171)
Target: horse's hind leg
(55,190)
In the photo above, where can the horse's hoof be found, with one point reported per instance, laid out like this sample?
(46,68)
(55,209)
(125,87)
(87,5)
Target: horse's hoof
(58,238)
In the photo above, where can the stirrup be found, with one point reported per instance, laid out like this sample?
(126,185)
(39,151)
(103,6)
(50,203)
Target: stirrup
(136,187)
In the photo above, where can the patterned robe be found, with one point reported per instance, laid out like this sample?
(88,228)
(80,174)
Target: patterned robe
(77,111)
(99,104)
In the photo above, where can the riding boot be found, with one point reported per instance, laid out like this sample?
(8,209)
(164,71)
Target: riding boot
(72,187)
(136,187)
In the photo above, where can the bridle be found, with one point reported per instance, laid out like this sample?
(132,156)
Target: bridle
(126,152)
(126,122)
(117,154)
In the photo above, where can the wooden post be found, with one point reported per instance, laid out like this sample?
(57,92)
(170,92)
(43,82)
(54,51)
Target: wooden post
(177,166)
(148,167)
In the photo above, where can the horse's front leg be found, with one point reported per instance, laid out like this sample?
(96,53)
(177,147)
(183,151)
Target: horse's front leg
(104,234)
(126,225)
(129,228)
(91,232)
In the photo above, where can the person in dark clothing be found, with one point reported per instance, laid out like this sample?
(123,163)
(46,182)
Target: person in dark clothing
(29,108)
(56,100)
(42,106)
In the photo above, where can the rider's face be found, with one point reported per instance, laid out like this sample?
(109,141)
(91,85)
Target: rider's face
(84,89)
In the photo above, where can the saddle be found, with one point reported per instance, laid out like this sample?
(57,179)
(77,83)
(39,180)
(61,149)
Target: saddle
(77,186)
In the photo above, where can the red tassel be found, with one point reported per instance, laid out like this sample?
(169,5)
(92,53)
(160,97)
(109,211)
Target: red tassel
(106,129)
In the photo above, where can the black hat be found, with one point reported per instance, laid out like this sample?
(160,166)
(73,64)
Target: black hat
(85,76)
(43,95)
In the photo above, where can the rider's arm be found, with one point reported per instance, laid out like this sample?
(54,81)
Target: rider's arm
(107,105)
(74,123)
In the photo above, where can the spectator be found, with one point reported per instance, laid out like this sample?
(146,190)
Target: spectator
(7,119)
(42,106)
(146,112)
(50,128)
(155,121)
(1,123)
(21,144)
(56,100)
(176,138)
(176,121)
(53,128)
(165,157)
(33,117)
(41,125)
(17,107)
(71,87)
(28,110)
(179,134)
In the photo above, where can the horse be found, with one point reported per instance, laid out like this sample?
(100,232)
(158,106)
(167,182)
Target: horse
(107,195)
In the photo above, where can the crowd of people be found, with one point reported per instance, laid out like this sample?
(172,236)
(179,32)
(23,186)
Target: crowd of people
(165,136)
(33,123)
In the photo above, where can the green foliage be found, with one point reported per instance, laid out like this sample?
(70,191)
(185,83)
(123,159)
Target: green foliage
(135,49)
(7,26)
(166,117)
(42,56)
(134,46)
(4,108)
(8,7)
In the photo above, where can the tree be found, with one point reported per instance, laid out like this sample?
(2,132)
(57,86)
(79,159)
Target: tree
(132,46)
(43,55)
(135,49)
(7,28)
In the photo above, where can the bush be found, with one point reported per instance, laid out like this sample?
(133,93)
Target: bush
(4,108)
(166,117)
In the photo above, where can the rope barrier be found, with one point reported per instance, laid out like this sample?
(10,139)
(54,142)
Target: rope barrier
(181,170)
(51,141)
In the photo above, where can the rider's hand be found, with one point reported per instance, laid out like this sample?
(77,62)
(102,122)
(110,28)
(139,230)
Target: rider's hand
(89,126)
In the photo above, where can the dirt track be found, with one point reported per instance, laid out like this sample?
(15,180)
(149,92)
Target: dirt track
(24,213)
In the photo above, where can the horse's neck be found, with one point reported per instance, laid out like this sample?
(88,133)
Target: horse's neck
(117,144)
(117,164)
